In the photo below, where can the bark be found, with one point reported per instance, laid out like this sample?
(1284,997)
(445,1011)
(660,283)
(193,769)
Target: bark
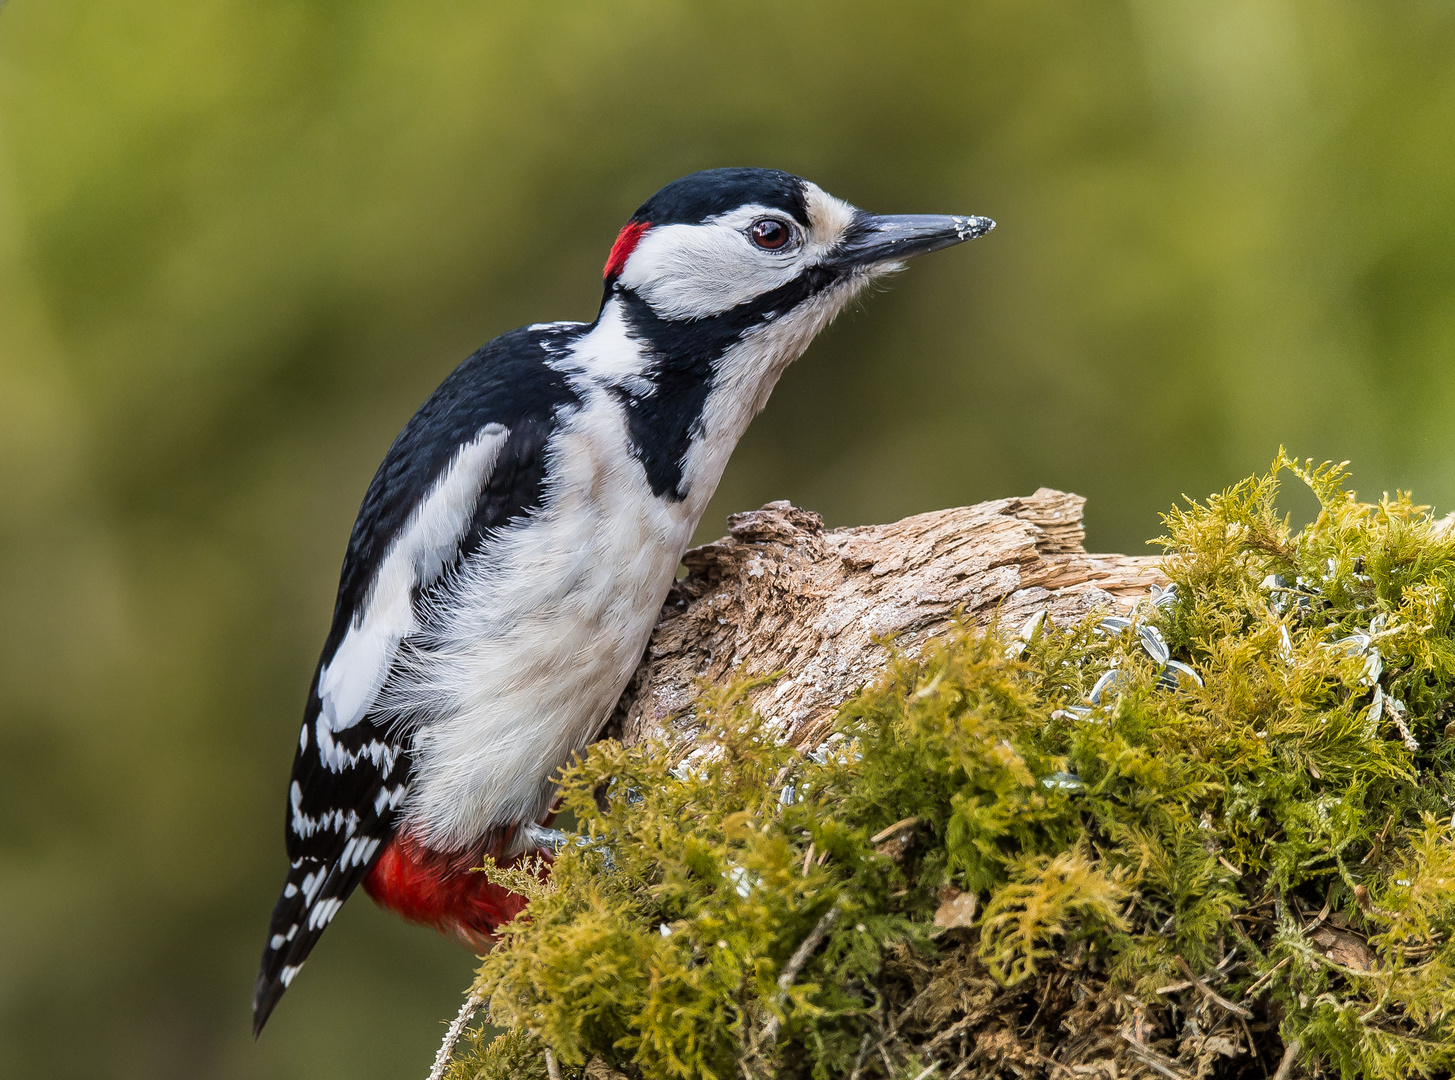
(781,593)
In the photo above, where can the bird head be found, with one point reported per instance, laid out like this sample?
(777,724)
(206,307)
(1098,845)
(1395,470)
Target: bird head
(757,244)
(717,283)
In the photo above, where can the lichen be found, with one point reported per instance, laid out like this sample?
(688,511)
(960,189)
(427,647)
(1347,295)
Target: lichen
(1187,872)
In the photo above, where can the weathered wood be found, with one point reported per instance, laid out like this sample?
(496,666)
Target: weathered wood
(781,593)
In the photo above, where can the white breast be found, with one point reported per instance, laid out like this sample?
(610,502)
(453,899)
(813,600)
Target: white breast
(523,662)
(539,636)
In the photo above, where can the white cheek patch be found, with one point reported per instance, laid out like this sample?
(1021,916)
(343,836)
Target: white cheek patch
(692,271)
(696,271)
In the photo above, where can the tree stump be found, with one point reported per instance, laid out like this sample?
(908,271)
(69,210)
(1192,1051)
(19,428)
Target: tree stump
(780,593)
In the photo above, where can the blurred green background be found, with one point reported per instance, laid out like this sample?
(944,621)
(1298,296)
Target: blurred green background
(240,242)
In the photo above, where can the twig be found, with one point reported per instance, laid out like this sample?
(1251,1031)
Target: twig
(1045,996)
(899,826)
(1151,1058)
(800,956)
(1285,1067)
(808,947)
(452,1035)
(1323,914)
(1253,1046)
(903,1015)
(888,1064)
(1345,970)
(950,1032)
(1370,909)
(1258,983)
(863,1053)
(553,1070)
(1211,994)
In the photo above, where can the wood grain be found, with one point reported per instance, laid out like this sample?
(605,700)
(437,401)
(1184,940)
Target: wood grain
(781,593)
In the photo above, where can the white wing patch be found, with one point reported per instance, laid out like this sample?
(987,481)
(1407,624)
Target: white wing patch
(351,681)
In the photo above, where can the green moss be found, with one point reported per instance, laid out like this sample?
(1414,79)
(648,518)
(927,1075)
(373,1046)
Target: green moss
(1280,830)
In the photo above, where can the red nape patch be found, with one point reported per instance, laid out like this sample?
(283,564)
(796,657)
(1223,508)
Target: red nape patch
(626,243)
(441,890)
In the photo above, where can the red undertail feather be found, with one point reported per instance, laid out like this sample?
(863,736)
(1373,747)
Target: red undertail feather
(626,242)
(443,891)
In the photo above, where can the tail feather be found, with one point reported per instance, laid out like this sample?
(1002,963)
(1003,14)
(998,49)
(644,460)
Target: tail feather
(439,889)
(311,897)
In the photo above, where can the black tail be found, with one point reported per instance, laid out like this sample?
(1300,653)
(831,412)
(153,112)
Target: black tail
(311,897)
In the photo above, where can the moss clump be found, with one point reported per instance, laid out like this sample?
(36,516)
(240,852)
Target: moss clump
(1136,868)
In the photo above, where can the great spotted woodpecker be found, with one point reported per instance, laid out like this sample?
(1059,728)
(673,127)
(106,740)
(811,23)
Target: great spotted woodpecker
(515,547)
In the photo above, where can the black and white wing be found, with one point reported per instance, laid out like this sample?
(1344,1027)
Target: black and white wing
(470,461)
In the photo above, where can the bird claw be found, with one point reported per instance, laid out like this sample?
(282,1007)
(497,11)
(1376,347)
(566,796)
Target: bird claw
(542,839)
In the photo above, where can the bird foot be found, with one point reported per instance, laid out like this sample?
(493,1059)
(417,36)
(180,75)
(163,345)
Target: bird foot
(545,841)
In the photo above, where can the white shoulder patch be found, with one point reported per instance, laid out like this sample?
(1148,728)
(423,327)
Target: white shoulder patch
(609,354)
(349,684)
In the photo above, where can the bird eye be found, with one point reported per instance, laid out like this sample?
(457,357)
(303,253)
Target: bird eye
(770,234)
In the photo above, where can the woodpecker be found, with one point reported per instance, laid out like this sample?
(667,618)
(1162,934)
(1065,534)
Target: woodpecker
(515,547)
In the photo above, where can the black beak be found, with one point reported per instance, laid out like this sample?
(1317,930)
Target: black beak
(874,239)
